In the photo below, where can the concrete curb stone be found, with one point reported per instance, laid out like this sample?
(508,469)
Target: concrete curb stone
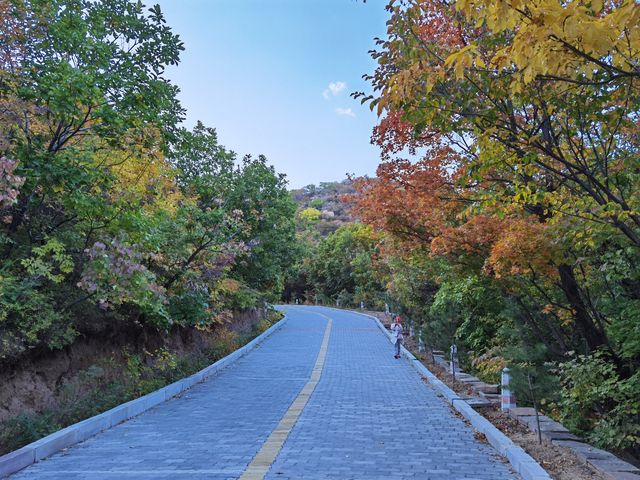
(78,432)
(89,427)
(118,414)
(54,443)
(17,460)
(528,468)
(173,389)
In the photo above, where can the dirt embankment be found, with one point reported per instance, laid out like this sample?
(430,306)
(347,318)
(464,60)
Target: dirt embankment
(36,383)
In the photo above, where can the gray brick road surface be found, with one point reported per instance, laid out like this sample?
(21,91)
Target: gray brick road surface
(370,417)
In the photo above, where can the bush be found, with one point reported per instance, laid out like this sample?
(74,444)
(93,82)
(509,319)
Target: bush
(489,365)
(225,342)
(598,404)
(28,319)
(190,308)
(27,428)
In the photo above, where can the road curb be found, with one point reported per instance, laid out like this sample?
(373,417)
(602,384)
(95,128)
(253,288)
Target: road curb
(521,462)
(81,431)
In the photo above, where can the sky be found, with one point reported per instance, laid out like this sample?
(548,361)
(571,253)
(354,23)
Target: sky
(273,77)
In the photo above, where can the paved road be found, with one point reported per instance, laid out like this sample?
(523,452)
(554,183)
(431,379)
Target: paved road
(369,417)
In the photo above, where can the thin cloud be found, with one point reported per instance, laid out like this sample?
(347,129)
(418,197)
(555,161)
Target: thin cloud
(345,112)
(337,87)
(334,89)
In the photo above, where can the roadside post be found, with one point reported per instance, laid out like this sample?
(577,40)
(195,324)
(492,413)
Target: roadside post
(507,398)
(454,356)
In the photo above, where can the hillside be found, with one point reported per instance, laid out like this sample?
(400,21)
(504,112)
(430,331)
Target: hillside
(326,199)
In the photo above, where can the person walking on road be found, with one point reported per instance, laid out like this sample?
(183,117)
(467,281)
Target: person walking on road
(396,332)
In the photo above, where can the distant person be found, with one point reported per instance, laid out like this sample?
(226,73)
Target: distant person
(396,332)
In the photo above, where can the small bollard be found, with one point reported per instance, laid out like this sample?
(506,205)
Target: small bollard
(386,308)
(361,305)
(507,398)
(454,355)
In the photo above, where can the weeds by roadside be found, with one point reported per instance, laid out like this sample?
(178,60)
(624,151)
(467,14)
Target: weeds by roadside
(115,380)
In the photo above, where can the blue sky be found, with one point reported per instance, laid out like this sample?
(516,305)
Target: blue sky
(274,77)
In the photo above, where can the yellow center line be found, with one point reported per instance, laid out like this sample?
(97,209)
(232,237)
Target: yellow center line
(263,460)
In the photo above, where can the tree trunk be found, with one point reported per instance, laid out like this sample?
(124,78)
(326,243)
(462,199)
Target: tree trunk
(588,330)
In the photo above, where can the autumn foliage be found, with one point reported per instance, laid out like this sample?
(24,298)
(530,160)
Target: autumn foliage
(509,141)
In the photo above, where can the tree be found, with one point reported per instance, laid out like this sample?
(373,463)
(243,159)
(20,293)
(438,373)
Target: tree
(545,151)
(199,157)
(310,215)
(251,192)
(261,194)
(562,42)
(110,215)
(552,146)
(524,115)
(344,266)
(95,67)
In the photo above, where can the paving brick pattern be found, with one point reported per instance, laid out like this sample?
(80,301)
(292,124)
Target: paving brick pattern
(370,417)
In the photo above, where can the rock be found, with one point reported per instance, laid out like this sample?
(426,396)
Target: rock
(612,464)
(486,388)
(549,437)
(583,451)
(476,402)
(546,424)
(521,411)
(491,397)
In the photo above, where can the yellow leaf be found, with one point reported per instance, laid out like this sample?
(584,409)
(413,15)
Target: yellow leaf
(597,5)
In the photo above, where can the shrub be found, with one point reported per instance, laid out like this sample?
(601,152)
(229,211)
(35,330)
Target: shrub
(28,318)
(27,428)
(597,403)
(118,380)
(116,274)
(190,308)
(489,365)
(225,342)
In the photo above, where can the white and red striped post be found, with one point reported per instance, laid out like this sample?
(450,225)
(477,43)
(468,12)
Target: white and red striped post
(508,398)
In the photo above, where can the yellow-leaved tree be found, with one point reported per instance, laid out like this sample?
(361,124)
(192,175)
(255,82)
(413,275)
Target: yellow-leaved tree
(570,41)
